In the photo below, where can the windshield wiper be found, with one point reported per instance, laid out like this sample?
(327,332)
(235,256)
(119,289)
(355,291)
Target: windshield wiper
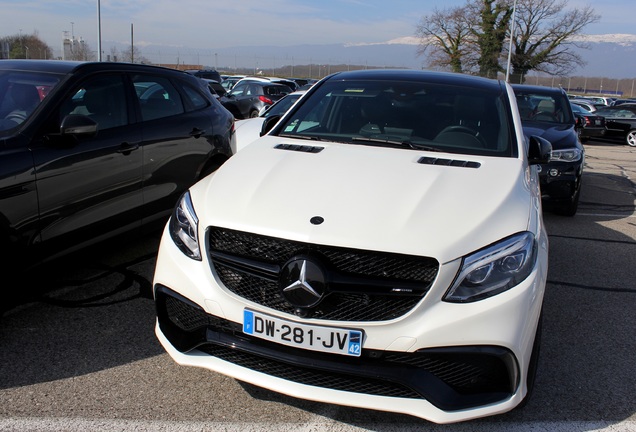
(305,137)
(395,143)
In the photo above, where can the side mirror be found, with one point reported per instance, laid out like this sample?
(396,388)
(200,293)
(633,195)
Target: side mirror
(539,150)
(76,124)
(269,123)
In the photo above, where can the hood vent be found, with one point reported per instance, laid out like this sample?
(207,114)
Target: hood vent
(448,162)
(300,148)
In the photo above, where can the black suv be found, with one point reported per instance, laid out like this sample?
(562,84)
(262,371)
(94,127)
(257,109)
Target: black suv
(90,150)
(546,112)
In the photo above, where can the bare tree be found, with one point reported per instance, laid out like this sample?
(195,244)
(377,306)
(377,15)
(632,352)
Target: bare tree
(543,38)
(445,38)
(133,55)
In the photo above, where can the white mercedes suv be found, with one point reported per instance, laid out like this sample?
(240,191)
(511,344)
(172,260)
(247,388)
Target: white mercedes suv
(380,246)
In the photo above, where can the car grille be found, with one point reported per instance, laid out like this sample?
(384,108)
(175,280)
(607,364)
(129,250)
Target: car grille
(450,378)
(363,286)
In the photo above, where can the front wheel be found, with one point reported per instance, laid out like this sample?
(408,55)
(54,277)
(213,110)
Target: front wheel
(631,138)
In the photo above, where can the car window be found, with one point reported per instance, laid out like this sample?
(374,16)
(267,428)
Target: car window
(239,90)
(195,98)
(20,94)
(158,98)
(102,98)
(619,113)
(444,117)
(540,107)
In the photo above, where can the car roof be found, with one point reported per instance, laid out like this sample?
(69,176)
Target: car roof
(419,75)
(538,89)
(66,67)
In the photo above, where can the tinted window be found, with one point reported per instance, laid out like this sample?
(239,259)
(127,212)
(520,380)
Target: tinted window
(448,118)
(157,97)
(102,98)
(539,107)
(20,94)
(195,98)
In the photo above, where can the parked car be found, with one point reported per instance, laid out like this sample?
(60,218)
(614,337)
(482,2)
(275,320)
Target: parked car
(108,149)
(624,101)
(206,73)
(358,255)
(247,98)
(588,125)
(546,112)
(620,121)
(587,104)
(248,130)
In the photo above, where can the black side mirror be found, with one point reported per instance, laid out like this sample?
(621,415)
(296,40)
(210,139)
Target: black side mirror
(539,150)
(269,123)
(76,124)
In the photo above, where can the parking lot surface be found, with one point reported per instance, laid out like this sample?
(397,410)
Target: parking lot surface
(79,351)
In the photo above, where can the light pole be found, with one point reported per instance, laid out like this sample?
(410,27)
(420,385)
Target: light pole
(512,35)
(99,32)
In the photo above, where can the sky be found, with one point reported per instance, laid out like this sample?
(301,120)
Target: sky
(214,24)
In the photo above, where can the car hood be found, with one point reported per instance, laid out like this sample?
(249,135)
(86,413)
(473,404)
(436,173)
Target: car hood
(560,136)
(369,197)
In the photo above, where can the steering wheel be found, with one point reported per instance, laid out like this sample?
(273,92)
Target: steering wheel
(16,116)
(543,115)
(466,130)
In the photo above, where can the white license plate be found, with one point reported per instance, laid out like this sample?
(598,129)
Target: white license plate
(598,122)
(311,337)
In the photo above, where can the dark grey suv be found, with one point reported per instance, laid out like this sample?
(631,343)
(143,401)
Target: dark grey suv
(91,150)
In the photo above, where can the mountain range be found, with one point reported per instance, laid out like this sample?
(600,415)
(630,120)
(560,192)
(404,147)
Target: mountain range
(610,55)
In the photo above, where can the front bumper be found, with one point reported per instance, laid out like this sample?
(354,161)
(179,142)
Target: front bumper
(442,362)
(560,181)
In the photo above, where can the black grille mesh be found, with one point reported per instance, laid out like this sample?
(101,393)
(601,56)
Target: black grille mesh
(346,305)
(309,376)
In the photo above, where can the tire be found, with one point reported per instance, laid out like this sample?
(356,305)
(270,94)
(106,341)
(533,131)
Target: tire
(630,138)
(253,114)
(568,208)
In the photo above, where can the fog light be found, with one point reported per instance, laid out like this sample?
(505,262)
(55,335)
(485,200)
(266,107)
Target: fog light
(553,172)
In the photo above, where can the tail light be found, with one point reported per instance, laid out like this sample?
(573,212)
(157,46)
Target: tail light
(265,99)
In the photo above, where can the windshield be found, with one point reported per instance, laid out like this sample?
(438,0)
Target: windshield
(405,114)
(544,108)
(20,94)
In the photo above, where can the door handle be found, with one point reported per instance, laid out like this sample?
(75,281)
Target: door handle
(127,148)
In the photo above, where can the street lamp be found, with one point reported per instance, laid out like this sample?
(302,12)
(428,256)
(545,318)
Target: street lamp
(512,35)
(99,32)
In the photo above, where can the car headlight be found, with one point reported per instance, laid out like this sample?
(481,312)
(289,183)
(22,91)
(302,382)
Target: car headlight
(184,228)
(566,155)
(494,269)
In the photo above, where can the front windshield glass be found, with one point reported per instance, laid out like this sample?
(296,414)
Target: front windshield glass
(544,108)
(20,94)
(405,114)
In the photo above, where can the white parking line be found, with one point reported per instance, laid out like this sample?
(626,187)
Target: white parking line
(108,425)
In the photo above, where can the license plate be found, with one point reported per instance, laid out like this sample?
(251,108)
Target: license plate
(306,336)
(598,122)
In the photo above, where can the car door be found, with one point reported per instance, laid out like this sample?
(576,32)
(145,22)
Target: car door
(89,184)
(177,141)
